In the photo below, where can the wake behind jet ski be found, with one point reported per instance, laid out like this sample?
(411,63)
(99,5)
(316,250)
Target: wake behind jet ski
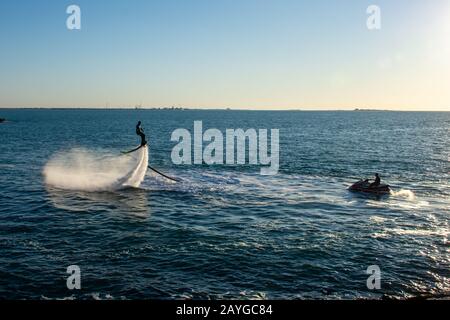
(374,188)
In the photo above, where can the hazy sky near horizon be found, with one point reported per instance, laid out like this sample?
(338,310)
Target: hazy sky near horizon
(257,54)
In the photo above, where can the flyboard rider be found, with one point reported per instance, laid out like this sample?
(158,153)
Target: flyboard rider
(140,132)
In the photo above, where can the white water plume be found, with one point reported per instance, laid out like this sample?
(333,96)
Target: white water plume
(85,170)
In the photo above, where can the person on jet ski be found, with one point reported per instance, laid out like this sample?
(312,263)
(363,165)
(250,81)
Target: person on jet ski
(140,132)
(377,181)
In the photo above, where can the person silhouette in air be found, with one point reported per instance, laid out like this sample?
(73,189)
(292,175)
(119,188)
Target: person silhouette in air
(140,132)
(377,181)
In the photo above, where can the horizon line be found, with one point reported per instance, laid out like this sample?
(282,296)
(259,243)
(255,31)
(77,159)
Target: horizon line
(231,109)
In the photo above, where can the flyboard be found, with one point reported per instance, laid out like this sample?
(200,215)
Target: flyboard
(135,149)
(151,168)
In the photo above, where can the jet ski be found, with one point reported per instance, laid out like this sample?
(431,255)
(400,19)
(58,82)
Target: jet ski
(364,186)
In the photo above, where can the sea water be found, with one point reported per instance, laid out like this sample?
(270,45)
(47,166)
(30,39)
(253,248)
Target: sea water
(224,231)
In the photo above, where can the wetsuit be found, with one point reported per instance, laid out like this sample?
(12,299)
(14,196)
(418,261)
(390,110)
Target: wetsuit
(140,133)
(377,180)
(376,183)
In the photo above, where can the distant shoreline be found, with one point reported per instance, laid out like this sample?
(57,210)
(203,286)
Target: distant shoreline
(215,109)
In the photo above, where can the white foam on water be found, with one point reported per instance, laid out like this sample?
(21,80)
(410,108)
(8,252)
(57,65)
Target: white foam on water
(87,170)
(408,194)
(388,232)
(378,219)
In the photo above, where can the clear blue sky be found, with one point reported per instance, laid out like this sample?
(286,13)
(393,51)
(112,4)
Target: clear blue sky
(258,54)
